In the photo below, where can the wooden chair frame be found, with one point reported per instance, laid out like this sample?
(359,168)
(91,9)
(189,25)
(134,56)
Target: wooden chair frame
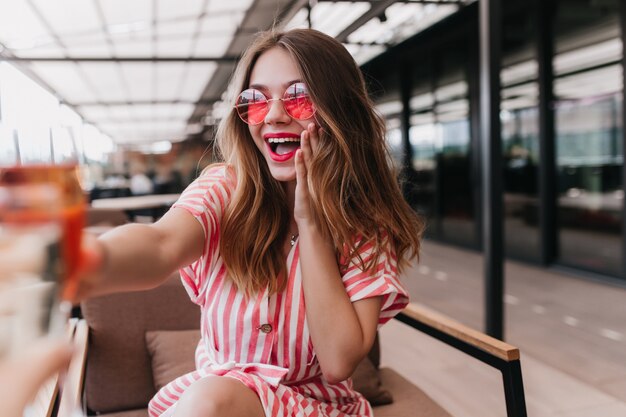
(487,349)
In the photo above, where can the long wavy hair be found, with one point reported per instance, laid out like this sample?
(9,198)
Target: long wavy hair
(355,195)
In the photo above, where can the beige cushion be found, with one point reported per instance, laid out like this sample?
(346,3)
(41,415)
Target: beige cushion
(118,374)
(172,353)
(408,400)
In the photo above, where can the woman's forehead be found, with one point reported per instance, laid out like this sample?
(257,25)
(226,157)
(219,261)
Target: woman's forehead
(274,69)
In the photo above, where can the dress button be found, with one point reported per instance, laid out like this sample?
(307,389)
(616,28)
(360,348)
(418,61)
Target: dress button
(265,328)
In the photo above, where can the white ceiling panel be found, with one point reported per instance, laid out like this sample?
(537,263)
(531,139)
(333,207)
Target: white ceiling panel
(182,111)
(105,77)
(298,21)
(67,16)
(168,9)
(144,111)
(65,80)
(175,29)
(19,26)
(146,125)
(333,18)
(139,77)
(93,45)
(222,23)
(168,79)
(137,48)
(212,45)
(196,77)
(94,37)
(122,114)
(47,51)
(175,47)
(124,14)
(225,6)
(95,114)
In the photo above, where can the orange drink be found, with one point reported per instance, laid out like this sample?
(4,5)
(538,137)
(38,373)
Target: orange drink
(69,214)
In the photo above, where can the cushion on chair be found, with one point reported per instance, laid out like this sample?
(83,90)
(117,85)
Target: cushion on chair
(172,353)
(409,400)
(118,373)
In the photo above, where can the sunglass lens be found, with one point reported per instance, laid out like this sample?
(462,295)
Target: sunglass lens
(297,102)
(252,106)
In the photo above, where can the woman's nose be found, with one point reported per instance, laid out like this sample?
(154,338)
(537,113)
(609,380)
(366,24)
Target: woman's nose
(277,113)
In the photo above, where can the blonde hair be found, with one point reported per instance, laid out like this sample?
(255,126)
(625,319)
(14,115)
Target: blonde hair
(355,195)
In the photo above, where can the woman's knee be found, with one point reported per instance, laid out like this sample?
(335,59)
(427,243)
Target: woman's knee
(219,397)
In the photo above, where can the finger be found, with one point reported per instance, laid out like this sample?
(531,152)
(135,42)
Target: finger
(301,172)
(314,137)
(305,147)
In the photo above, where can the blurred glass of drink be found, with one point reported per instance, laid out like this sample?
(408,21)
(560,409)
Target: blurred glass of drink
(69,213)
(30,264)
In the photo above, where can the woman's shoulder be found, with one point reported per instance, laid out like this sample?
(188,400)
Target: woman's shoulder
(220,174)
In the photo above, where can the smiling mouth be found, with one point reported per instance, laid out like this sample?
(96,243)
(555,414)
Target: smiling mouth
(283,146)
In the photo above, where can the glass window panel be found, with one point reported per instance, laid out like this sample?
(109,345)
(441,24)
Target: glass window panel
(453,178)
(519,118)
(589,136)
(423,137)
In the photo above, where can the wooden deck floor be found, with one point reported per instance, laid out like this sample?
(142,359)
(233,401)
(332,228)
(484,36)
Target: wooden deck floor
(571,333)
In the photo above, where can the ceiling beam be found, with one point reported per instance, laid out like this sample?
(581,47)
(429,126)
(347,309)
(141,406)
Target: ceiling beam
(76,59)
(376,10)
(143,102)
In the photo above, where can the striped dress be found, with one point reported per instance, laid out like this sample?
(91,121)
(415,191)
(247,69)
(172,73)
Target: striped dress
(263,341)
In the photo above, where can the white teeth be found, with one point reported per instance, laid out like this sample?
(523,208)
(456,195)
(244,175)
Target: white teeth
(283,140)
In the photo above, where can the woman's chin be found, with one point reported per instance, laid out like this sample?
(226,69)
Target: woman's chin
(283,174)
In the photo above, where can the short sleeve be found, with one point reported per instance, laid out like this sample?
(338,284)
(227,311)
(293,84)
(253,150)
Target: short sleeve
(383,280)
(205,199)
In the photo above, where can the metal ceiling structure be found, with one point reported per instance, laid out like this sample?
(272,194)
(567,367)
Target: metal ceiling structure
(150,70)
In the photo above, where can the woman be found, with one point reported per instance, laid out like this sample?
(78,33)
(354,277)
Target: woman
(292,244)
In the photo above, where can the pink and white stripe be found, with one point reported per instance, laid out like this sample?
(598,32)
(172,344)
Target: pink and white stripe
(279,365)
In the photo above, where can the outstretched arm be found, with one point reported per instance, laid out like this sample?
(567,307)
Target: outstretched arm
(141,256)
